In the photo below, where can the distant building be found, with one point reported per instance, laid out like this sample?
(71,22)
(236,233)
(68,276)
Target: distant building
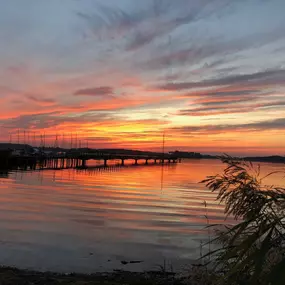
(17,152)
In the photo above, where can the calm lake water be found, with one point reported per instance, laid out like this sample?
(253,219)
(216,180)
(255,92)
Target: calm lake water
(88,221)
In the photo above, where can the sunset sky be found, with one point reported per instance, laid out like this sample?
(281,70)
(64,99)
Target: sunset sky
(120,73)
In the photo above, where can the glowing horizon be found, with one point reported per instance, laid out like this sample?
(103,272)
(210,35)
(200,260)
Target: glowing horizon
(210,74)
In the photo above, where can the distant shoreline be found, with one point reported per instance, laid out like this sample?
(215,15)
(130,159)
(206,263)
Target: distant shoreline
(194,155)
(269,159)
(178,154)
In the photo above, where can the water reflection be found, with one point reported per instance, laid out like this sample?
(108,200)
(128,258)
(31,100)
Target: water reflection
(91,220)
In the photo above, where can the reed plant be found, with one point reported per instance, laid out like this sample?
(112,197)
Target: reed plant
(253,250)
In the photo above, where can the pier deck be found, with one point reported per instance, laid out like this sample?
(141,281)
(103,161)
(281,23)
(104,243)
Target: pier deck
(79,160)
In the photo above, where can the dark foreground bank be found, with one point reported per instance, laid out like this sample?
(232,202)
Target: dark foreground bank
(9,276)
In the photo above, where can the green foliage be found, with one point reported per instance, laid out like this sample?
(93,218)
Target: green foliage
(253,250)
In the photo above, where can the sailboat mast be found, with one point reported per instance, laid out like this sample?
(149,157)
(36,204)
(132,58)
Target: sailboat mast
(163,142)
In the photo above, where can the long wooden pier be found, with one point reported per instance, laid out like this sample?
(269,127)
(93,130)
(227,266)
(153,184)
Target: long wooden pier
(79,160)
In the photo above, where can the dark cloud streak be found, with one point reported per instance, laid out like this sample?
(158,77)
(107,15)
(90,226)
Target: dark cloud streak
(96,91)
(277,124)
(218,108)
(41,100)
(52,120)
(267,77)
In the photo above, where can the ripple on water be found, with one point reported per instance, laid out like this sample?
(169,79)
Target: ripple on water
(92,220)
